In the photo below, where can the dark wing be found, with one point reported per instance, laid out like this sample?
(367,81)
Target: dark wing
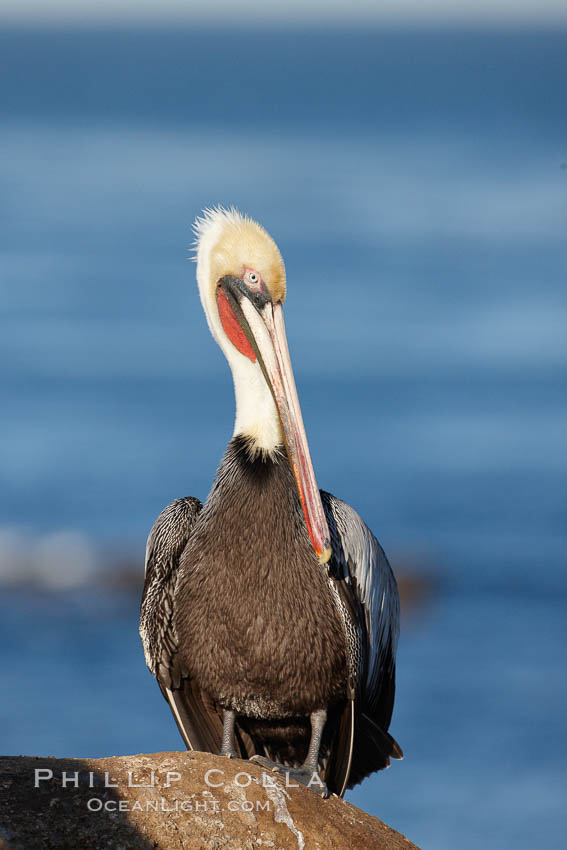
(371,610)
(198,720)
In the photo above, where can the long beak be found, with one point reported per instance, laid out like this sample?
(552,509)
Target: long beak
(267,337)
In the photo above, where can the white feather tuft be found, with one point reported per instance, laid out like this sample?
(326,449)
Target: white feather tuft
(209,219)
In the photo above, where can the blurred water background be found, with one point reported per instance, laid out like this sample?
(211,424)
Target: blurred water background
(415,181)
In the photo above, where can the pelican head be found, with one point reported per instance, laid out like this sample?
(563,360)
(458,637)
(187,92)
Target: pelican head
(242,284)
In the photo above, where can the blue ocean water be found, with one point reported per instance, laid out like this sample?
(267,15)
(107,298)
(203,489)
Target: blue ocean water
(416,183)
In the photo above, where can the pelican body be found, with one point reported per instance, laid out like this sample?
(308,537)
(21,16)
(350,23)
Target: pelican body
(269,614)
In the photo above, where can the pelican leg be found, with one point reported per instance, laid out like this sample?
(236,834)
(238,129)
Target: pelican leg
(318,720)
(308,773)
(228,749)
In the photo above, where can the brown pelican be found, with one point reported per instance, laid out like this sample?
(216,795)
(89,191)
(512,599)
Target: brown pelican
(270,613)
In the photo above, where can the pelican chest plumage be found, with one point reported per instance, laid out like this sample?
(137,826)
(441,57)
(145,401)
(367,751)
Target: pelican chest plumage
(270,614)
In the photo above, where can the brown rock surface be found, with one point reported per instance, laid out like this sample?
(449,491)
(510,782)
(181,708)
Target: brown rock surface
(173,800)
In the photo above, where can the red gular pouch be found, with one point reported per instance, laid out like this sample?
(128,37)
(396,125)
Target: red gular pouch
(232,326)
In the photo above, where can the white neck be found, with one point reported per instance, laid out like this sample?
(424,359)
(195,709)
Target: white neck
(256,412)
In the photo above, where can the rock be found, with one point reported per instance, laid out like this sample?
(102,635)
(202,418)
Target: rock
(173,800)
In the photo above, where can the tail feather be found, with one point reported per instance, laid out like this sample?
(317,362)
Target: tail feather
(373,749)
(337,771)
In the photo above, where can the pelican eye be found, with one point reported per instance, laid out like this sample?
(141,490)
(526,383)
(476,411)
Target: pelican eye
(252,278)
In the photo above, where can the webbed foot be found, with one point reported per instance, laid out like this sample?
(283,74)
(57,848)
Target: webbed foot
(305,775)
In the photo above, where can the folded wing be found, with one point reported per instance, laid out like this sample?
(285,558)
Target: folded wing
(365,580)
(198,720)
